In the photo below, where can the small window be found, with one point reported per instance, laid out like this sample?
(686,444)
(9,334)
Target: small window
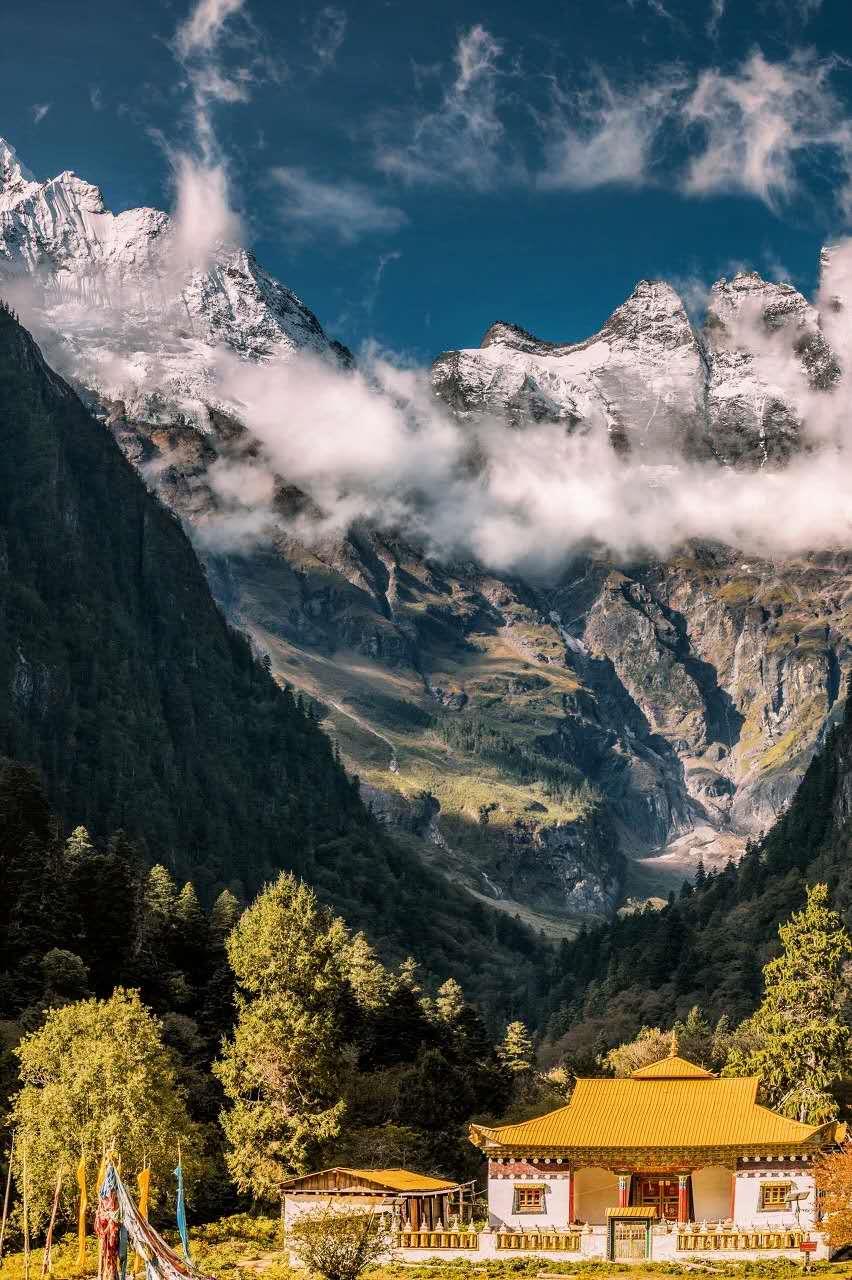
(774,1195)
(529,1199)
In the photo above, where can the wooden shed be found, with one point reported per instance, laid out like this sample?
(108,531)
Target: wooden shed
(418,1200)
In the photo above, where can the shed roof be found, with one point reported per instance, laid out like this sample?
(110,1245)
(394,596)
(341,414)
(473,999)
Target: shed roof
(344,1179)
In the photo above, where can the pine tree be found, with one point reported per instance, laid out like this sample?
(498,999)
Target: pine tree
(281,1070)
(516,1052)
(797,1041)
(224,914)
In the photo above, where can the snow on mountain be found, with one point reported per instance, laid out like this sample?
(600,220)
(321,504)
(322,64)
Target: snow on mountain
(735,392)
(640,378)
(110,299)
(765,353)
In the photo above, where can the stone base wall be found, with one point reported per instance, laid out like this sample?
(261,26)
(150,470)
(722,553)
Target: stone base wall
(594,1244)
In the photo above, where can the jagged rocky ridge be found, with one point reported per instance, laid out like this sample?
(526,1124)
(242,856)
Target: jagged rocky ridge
(525,737)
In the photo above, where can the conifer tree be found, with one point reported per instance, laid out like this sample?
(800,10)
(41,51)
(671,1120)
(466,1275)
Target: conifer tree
(224,914)
(516,1052)
(797,1041)
(281,1070)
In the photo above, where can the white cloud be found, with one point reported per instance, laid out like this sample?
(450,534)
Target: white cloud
(385,260)
(347,210)
(201,30)
(606,135)
(327,34)
(374,446)
(463,140)
(96,97)
(760,121)
(203,219)
(717,13)
(40,110)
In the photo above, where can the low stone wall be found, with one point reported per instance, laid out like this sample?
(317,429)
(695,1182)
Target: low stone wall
(668,1244)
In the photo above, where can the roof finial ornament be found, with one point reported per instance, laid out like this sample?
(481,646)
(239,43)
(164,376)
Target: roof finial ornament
(673,1052)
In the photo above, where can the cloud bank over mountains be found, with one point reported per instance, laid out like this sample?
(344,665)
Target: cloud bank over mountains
(175,316)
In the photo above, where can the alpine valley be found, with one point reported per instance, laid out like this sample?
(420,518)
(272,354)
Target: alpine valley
(559,745)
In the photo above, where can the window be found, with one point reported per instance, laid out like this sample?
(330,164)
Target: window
(529,1198)
(774,1195)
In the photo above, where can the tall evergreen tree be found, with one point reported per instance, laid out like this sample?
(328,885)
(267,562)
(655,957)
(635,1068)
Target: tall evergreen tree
(282,1068)
(797,1041)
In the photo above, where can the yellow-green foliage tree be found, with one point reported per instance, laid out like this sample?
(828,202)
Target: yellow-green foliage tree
(797,1041)
(97,1074)
(283,1071)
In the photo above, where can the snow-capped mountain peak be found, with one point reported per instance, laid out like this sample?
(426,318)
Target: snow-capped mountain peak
(118,310)
(15,178)
(732,393)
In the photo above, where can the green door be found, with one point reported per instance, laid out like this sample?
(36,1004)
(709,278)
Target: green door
(629,1240)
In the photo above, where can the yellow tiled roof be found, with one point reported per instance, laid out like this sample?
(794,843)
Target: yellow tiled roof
(674,1068)
(648,1109)
(402,1179)
(334,1180)
(634,1211)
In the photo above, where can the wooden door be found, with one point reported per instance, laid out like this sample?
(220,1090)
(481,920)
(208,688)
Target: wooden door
(629,1241)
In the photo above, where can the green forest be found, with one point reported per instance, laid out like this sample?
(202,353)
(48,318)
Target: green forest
(206,937)
(146,714)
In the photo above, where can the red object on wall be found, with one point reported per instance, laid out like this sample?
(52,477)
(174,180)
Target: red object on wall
(571,1198)
(683,1197)
(623,1190)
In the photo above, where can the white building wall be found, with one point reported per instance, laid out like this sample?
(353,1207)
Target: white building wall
(595,1191)
(501,1200)
(711,1193)
(295,1204)
(747,1210)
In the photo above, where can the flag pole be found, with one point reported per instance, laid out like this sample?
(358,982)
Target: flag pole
(6,1197)
(47,1260)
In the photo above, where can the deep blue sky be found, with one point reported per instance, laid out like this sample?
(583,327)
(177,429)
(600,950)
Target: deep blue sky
(487,231)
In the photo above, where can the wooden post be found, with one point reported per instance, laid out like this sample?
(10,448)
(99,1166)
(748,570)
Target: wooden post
(414,1206)
(26,1216)
(6,1197)
(47,1260)
(623,1190)
(570,1196)
(683,1197)
(733,1192)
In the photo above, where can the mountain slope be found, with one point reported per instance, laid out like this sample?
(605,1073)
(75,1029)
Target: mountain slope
(121,681)
(708,946)
(555,746)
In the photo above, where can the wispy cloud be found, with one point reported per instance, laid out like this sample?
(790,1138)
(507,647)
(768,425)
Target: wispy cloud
(327,35)
(759,121)
(606,135)
(345,209)
(96,98)
(372,293)
(200,32)
(40,110)
(714,21)
(204,217)
(463,140)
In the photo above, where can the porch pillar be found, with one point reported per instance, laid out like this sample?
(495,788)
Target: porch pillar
(570,1196)
(623,1190)
(414,1207)
(683,1197)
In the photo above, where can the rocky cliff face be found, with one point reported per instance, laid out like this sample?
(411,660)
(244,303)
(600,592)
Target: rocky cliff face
(555,747)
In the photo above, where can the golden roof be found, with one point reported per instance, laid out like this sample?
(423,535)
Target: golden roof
(674,1068)
(634,1211)
(382,1179)
(671,1104)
